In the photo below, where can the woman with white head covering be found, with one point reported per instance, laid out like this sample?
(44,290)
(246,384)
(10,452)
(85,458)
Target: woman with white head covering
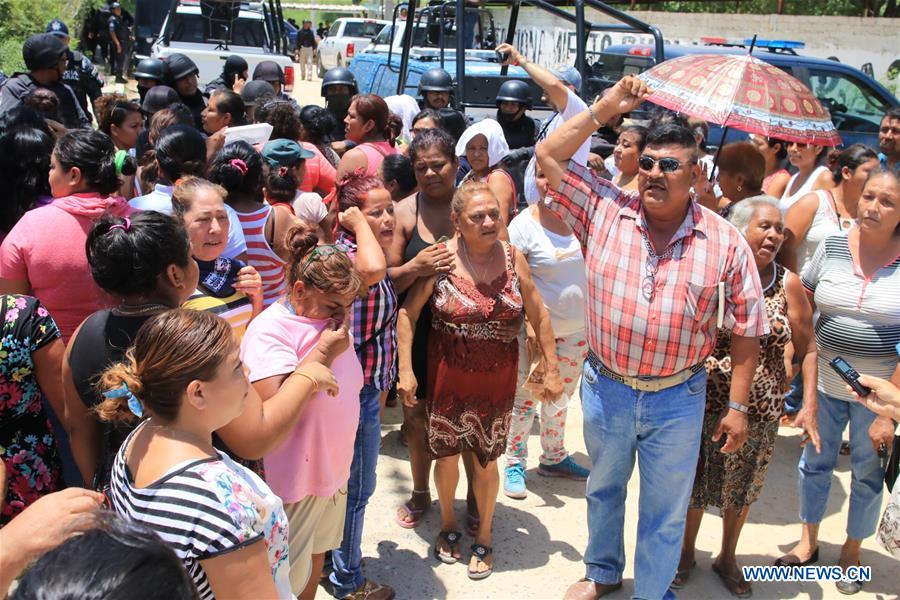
(484,146)
(406,108)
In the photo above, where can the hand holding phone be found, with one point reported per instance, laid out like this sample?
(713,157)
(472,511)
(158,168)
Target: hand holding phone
(849,375)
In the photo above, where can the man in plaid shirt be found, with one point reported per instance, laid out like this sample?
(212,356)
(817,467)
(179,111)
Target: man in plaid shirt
(663,274)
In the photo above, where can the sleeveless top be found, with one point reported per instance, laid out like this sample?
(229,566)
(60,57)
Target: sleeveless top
(787,199)
(768,179)
(514,205)
(260,253)
(423,326)
(825,223)
(375,153)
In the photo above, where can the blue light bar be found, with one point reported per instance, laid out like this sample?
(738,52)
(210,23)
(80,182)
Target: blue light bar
(783,44)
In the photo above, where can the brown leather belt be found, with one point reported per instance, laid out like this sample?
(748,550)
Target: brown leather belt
(644,384)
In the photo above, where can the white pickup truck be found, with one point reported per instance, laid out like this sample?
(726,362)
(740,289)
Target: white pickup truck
(209,36)
(345,39)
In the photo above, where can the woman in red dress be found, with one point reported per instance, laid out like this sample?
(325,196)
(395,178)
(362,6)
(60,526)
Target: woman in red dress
(472,373)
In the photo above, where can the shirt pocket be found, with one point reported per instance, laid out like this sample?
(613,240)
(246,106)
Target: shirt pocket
(701,300)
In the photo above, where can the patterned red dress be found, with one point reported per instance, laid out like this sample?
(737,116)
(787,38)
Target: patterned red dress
(472,374)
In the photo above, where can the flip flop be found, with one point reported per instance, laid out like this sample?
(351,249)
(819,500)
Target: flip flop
(681,576)
(732,582)
(791,560)
(480,552)
(452,539)
(412,512)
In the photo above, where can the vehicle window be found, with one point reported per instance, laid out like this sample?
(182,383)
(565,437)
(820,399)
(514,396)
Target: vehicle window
(334,29)
(384,37)
(362,29)
(197,29)
(854,106)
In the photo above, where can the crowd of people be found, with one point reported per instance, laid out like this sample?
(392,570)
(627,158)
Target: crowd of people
(212,331)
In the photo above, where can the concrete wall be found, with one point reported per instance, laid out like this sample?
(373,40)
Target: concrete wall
(549,40)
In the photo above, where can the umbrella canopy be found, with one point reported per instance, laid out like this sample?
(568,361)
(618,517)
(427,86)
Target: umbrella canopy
(743,92)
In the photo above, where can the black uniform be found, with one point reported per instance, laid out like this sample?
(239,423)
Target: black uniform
(306,38)
(196,103)
(18,86)
(519,134)
(118,25)
(82,76)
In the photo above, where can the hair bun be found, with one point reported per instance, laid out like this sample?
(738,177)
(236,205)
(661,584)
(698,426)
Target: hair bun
(300,239)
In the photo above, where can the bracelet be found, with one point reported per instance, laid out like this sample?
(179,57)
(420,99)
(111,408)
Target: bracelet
(593,116)
(739,407)
(311,379)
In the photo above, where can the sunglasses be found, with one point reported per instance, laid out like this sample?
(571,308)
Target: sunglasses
(323,251)
(666,165)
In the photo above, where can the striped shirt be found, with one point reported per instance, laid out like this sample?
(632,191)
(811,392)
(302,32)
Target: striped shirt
(375,329)
(859,318)
(261,255)
(236,308)
(205,508)
(673,326)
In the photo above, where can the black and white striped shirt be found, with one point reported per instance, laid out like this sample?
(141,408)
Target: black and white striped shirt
(204,508)
(859,318)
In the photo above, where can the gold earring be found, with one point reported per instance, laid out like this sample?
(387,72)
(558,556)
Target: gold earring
(740,188)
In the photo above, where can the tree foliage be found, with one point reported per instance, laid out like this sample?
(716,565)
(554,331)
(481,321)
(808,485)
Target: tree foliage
(854,8)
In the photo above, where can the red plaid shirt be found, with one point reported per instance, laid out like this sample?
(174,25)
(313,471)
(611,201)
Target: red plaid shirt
(676,329)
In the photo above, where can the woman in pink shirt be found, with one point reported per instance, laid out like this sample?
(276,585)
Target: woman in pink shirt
(44,253)
(309,470)
(367,127)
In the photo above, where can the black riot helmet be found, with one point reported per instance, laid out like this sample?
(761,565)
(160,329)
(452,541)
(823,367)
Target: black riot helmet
(435,80)
(150,68)
(43,51)
(515,90)
(339,76)
(180,66)
(268,70)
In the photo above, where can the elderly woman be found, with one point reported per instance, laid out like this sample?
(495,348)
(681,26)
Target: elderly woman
(626,154)
(484,147)
(732,482)
(827,212)
(472,373)
(854,280)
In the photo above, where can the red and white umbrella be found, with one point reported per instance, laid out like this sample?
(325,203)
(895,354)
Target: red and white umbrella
(743,92)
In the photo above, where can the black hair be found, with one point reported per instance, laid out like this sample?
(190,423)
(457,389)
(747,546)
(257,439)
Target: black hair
(24,167)
(851,157)
(674,132)
(180,150)
(231,103)
(23,116)
(397,167)
(639,130)
(453,122)
(282,116)
(430,138)
(782,150)
(263,109)
(427,113)
(182,112)
(238,168)
(281,185)
(318,122)
(94,154)
(127,256)
(893,112)
(113,109)
(118,558)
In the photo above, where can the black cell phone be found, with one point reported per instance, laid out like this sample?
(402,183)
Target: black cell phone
(849,374)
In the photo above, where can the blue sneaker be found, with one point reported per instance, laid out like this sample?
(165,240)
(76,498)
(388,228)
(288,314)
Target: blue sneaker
(568,468)
(514,482)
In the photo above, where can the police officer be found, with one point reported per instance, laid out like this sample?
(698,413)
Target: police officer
(234,74)
(45,57)
(119,39)
(435,89)
(149,72)
(338,88)
(81,75)
(271,71)
(513,99)
(183,77)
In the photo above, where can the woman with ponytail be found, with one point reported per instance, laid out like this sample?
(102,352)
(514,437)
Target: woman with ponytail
(238,168)
(44,253)
(367,126)
(322,285)
(180,381)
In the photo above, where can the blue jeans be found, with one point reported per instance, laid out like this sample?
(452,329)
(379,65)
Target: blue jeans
(793,400)
(865,466)
(664,429)
(347,575)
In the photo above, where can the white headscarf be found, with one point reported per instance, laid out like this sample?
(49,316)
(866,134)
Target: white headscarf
(406,108)
(498,148)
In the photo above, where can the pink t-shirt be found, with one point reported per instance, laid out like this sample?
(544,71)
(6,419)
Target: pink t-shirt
(319,175)
(46,248)
(315,459)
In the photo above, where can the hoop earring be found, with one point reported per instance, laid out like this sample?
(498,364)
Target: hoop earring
(740,189)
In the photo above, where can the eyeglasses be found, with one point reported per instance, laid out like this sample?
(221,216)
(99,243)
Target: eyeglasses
(323,251)
(666,165)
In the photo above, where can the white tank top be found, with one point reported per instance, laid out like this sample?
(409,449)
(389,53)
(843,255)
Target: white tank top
(788,199)
(825,222)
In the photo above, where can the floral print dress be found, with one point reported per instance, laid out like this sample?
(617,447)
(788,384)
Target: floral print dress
(27,444)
